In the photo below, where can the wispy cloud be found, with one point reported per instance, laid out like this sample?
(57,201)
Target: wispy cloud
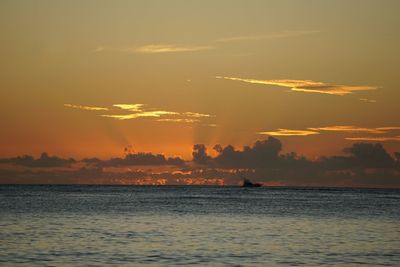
(179,120)
(212,44)
(155,113)
(378,139)
(344,129)
(389,128)
(279,35)
(367,100)
(288,132)
(352,128)
(156,49)
(135,111)
(91,108)
(197,115)
(307,86)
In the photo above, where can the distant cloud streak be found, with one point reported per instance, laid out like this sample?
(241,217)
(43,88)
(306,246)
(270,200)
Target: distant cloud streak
(307,86)
(377,139)
(178,48)
(157,49)
(367,100)
(285,34)
(91,108)
(341,129)
(353,129)
(178,120)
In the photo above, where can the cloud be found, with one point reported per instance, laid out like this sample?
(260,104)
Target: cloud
(135,111)
(307,86)
(130,107)
(288,132)
(143,159)
(157,49)
(179,120)
(362,164)
(155,113)
(200,154)
(98,49)
(367,100)
(261,154)
(135,159)
(388,128)
(91,108)
(197,115)
(370,156)
(351,128)
(176,48)
(44,161)
(341,129)
(281,35)
(377,139)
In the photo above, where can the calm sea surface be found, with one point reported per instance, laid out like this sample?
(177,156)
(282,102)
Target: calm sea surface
(205,226)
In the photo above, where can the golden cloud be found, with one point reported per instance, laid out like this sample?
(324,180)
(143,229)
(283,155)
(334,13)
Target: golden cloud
(288,132)
(343,129)
(130,107)
(179,120)
(197,115)
(156,113)
(307,86)
(351,129)
(135,111)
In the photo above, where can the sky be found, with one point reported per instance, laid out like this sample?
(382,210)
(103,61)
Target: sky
(111,79)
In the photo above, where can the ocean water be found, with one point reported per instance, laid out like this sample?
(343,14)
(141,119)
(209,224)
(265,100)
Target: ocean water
(194,225)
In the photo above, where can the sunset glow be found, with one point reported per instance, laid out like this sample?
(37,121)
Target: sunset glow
(200,93)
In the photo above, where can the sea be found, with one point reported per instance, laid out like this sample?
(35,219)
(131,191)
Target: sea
(75,225)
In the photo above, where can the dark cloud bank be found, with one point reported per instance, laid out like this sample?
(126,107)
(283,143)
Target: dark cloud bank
(361,165)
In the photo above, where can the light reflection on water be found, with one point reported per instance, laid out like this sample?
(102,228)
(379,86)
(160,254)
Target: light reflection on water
(215,226)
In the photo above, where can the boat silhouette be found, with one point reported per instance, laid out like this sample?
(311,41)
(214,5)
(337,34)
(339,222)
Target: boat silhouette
(248,183)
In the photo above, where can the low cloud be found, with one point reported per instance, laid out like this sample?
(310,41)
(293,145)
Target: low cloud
(360,165)
(44,161)
(307,86)
(135,159)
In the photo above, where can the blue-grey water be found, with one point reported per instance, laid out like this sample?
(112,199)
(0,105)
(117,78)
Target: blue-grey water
(193,225)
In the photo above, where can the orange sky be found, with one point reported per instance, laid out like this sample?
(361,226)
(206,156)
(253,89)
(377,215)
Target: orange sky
(226,72)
